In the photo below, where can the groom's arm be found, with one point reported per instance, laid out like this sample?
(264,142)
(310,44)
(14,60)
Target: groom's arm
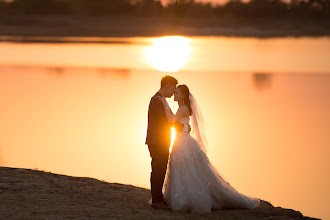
(154,118)
(178,126)
(157,110)
(181,127)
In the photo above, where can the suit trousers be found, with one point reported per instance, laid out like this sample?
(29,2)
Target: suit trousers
(159,157)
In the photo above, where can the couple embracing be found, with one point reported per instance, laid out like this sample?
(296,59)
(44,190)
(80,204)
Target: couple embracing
(184,179)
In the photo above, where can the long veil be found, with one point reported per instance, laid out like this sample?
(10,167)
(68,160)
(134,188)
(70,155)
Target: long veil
(197,123)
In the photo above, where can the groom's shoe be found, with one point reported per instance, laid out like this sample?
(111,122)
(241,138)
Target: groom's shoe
(159,205)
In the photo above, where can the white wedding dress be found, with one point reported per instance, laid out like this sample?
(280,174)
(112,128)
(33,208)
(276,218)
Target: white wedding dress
(193,184)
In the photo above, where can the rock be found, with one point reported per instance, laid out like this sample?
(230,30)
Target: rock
(32,194)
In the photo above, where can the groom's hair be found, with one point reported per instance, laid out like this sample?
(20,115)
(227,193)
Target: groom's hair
(168,80)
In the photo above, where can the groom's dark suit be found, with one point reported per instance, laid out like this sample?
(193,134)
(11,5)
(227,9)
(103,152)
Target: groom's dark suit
(158,141)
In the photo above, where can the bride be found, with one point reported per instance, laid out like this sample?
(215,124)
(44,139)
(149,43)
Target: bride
(192,183)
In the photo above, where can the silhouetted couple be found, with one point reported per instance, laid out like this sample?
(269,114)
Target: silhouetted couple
(184,179)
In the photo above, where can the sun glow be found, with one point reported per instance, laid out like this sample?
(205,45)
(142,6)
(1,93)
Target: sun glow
(169,53)
(172,138)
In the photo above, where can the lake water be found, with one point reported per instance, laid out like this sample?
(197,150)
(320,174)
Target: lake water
(80,108)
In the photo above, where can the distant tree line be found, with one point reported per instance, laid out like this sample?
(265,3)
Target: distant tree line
(251,9)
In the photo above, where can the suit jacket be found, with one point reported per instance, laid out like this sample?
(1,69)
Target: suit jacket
(159,129)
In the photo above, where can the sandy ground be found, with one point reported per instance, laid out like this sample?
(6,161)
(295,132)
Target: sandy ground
(32,194)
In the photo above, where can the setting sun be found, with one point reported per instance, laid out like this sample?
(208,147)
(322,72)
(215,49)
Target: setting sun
(169,53)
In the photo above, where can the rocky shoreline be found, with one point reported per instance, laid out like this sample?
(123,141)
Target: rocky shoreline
(33,194)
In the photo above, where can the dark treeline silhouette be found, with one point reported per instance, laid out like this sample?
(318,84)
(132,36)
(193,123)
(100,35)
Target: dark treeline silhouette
(236,8)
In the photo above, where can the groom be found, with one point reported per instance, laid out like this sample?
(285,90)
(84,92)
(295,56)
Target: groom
(159,139)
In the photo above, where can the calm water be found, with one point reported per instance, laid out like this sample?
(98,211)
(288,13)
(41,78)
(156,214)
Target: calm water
(81,109)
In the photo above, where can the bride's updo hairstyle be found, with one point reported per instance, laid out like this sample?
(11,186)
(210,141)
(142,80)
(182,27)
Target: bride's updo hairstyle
(185,90)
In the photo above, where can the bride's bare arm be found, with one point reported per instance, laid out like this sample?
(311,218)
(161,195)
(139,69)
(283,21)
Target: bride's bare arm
(169,114)
(181,113)
(174,119)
